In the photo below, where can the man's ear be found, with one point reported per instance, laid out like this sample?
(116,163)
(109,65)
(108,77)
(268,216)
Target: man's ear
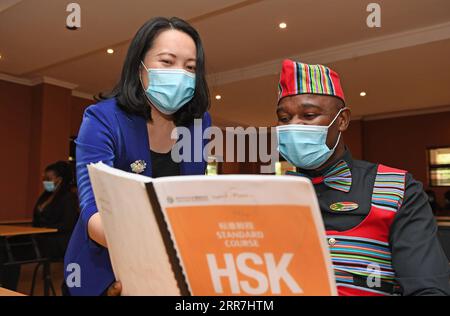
(345,119)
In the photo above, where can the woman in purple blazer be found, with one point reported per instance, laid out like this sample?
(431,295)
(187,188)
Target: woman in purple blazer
(162,86)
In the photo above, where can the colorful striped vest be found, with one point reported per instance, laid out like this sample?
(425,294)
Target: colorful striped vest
(361,256)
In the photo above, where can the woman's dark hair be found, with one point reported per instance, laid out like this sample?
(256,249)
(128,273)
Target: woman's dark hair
(129,93)
(63,170)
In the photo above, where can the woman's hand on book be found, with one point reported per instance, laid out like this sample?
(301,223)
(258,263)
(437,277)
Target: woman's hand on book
(115,289)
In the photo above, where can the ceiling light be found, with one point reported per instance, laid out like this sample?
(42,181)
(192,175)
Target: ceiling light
(218,97)
(110,51)
(363,94)
(282,25)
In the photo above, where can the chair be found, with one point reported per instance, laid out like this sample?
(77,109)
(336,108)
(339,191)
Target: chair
(31,255)
(46,276)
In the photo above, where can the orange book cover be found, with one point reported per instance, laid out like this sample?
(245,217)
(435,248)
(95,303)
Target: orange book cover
(250,250)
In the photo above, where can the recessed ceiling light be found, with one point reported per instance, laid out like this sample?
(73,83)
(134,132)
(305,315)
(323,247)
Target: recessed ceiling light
(218,97)
(1,56)
(282,25)
(110,51)
(363,94)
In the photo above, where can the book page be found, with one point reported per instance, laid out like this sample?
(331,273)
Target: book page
(136,249)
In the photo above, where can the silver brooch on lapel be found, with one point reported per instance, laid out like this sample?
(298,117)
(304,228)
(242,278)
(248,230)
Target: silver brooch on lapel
(138,166)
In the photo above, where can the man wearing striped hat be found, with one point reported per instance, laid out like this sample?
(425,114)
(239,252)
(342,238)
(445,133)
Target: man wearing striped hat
(380,227)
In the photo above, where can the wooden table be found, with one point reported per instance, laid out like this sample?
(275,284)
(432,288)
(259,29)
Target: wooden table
(13,230)
(7,236)
(6,292)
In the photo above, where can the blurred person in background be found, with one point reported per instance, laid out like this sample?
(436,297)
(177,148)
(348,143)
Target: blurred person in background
(56,207)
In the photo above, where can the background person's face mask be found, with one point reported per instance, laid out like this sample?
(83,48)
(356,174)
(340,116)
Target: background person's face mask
(305,146)
(169,89)
(49,186)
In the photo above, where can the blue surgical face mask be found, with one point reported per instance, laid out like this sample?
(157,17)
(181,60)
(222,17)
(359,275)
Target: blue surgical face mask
(49,186)
(169,89)
(305,146)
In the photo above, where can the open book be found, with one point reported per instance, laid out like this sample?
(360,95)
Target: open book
(213,235)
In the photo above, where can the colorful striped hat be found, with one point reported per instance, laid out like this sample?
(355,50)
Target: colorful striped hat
(298,78)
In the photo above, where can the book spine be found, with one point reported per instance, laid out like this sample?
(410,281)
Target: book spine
(168,242)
